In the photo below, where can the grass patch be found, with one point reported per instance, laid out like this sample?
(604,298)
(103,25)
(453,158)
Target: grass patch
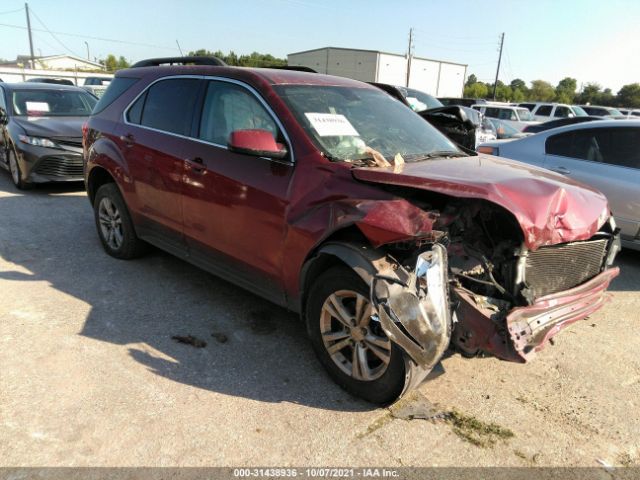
(476,432)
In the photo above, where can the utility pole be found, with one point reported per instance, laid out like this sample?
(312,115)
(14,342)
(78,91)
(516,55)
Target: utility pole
(88,56)
(495,84)
(33,60)
(409,55)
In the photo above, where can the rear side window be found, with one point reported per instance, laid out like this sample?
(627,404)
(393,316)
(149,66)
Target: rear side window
(562,112)
(170,104)
(117,87)
(544,110)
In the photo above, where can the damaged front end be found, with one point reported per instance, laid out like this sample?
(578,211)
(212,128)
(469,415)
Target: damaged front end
(412,307)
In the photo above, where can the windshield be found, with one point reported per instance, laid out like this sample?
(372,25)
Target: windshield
(347,123)
(614,111)
(524,114)
(418,100)
(578,111)
(503,129)
(52,103)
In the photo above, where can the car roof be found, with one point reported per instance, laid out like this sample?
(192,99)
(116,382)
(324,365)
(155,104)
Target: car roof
(274,76)
(40,86)
(592,124)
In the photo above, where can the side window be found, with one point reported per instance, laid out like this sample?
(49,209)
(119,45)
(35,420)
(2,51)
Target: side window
(228,107)
(2,102)
(561,144)
(544,110)
(492,112)
(623,147)
(562,112)
(583,144)
(134,115)
(169,105)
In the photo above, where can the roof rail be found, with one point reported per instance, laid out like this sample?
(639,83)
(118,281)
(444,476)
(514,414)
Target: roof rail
(298,68)
(155,62)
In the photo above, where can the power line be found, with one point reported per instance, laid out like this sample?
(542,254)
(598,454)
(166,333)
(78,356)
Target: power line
(12,11)
(50,33)
(102,39)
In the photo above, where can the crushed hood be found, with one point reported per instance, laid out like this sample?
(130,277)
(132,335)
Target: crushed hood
(549,207)
(52,127)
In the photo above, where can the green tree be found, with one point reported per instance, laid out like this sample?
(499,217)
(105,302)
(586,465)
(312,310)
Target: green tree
(122,63)
(541,91)
(471,79)
(518,95)
(110,63)
(519,84)
(629,96)
(590,94)
(476,90)
(566,90)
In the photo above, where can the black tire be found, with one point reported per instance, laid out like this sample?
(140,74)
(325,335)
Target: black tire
(15,172)
(381,390)
(129,246)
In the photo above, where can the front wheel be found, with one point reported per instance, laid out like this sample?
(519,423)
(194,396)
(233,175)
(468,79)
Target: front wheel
(350,344)
(14,169)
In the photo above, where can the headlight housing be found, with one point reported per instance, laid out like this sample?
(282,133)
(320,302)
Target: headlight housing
(37,141)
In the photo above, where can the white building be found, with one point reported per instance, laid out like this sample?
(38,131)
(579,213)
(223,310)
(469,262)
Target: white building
(436,77)
(55,62)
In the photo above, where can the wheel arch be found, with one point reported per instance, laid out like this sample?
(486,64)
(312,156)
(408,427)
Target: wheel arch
(97,177)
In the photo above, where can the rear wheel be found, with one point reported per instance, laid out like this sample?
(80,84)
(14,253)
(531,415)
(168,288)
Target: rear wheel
(114,224)
(350,344)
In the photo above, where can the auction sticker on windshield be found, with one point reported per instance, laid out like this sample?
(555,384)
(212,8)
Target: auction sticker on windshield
(331,124)
(37,107)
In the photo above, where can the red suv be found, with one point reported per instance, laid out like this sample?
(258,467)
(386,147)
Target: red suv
(331,198)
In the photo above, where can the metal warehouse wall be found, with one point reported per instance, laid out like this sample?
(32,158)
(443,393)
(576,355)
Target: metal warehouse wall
(430,76)
(424,75)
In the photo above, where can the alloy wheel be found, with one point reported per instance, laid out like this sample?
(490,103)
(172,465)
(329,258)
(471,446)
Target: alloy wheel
(355,343)
(110,223)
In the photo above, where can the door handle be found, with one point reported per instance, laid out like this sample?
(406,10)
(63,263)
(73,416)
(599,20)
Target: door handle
(196,164)
(128,139)
(562,170)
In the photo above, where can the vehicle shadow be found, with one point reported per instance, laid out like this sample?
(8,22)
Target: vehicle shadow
(629,278)
(259,351)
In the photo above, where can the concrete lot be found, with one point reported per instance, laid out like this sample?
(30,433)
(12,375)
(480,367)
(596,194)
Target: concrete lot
(89,374)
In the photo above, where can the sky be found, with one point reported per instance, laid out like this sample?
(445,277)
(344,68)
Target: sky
(590,40)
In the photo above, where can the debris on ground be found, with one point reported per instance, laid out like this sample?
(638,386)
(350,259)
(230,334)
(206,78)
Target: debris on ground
(190,340)
(220,337)
(415,406)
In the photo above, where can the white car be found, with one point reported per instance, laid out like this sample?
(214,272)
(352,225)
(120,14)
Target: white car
(604,154)
(515,116)
(552,111)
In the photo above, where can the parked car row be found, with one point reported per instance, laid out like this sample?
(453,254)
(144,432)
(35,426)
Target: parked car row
(334,199)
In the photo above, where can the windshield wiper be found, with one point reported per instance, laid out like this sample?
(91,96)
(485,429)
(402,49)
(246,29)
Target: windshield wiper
(438,154)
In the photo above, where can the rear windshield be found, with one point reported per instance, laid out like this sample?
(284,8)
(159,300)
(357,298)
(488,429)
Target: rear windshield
(420,101)
(524,114)
(578,111)
(117,87)
(52,103)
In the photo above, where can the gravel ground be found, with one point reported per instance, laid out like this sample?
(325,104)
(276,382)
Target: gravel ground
(90,376)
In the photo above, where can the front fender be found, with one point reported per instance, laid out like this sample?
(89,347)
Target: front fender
(412,306)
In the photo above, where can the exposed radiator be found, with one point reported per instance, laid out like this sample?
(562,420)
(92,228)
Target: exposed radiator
(560,267)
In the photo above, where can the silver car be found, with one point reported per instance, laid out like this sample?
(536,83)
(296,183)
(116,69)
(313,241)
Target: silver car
(604,154)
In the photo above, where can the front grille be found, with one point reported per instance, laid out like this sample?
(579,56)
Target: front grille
(60,167)
(561,267)
(69,141)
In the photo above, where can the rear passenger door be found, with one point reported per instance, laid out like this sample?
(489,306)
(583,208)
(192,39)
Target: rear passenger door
(607,159)
(155,138)
(234,204)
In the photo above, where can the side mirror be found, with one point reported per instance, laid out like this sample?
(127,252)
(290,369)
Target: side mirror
(4,118)
(259,143)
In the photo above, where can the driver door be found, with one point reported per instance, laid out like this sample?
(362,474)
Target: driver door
(234,204)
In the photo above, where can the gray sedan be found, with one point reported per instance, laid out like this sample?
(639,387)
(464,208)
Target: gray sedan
(603,154)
